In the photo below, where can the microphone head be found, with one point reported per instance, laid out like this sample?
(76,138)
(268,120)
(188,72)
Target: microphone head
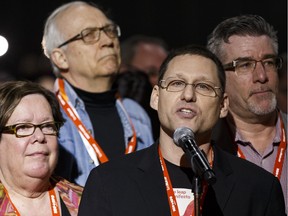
(181,132)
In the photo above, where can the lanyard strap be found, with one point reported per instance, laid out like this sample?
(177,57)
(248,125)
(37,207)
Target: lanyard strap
(279,161)
(92,146)
(169,189)
(53,203)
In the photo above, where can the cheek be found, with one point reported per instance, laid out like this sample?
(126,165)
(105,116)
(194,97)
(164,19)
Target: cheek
(117,50)
(164,107)
(161,111)
(212,113)
(210,109)
(54,151)
(274,81)
(236,85)
(53,144)
(80,56)
(11,148)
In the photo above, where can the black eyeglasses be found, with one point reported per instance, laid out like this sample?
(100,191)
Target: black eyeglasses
(27,129)
(202,88)
(92,35)
(245,66)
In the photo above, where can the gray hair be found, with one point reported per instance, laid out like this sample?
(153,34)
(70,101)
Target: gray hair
(243,25)
(52,35)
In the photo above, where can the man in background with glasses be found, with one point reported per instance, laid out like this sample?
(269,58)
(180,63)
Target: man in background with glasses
(255,129)
(83,46)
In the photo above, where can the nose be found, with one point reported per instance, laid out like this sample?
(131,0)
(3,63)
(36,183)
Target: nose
(188,94)
(38,135)
(259,73)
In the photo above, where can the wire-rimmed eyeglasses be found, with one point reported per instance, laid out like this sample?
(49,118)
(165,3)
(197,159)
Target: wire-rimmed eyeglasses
(201,88)
(244,66)
(92,35)
(27,129)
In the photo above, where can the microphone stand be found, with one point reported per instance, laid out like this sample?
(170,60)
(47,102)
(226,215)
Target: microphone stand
(197,190)
(197,184)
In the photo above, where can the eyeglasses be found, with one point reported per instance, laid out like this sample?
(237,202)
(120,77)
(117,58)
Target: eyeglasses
(27,129)
(245,66)
(92,35)
(199,87)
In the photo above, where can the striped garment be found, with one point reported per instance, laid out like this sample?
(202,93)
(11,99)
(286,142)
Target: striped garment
(70,194)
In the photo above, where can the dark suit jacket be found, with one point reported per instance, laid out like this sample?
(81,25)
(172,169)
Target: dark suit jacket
(133,186)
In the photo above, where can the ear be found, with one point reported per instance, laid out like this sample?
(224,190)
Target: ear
(224,106)
(154,97)
(59,59)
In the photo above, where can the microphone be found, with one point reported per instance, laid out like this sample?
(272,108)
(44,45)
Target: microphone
(184,137)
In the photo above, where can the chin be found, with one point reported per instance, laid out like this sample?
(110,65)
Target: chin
(40,171)
(113,67)
(263,108)
(41,174)
(111,72)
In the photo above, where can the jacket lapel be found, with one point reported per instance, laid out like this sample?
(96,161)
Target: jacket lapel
(150,181)
(225,178)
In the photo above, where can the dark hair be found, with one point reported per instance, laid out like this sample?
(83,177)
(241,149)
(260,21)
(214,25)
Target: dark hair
(129,46)
(243,25)
(135,85)
(194,50)
(12,92)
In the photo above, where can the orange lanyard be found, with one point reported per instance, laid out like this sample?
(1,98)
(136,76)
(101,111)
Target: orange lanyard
(169,189)
(72,113)
(280,154)
(53,203)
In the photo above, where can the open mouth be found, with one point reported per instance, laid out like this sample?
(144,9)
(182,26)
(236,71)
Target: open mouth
(186,113)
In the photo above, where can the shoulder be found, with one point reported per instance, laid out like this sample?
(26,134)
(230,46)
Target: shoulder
(242,168)
(135,110)
(131,105)
(239,166)
(122,172)
(126,164)
(129,160)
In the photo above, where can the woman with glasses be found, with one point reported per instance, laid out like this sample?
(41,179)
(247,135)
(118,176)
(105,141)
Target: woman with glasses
(30,119)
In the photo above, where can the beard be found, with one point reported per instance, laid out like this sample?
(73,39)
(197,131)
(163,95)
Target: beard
(263,105)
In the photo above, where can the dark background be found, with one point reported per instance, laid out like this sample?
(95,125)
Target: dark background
(178,22)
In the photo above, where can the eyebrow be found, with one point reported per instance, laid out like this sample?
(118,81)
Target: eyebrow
(250,58)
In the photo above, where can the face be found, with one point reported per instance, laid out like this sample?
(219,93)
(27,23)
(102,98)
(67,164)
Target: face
(149,58)
(254,93)
(188,108)
(99,59)
(33,156)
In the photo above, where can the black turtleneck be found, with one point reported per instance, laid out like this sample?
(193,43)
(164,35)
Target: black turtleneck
(107,126)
